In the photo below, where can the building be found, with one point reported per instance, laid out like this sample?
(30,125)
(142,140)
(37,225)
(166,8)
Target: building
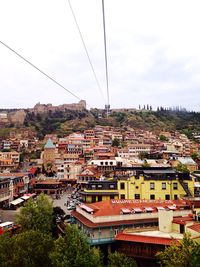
(157,183)
(48,156)
(49,187)
(102,221)
(13,185)
(9,160)
(143,244)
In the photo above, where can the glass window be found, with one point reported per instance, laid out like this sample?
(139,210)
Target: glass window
(99,185)
(175,186)
(93,186)
(122,196)
(167,197)
(122,186)
(111,186)
(152,196)
(137,196)
(163,186)
(152,186)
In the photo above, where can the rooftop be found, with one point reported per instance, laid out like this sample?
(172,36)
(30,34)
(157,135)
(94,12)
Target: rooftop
(49,144)
(114,207)
(148,239)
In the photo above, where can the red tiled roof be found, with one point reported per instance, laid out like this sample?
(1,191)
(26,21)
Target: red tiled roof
(90,224)
(182,220)
(144,239)
(113,207)
(195,227)
(50,181)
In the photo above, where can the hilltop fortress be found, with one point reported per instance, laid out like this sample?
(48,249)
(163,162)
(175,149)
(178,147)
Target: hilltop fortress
(42,108)
(9,116)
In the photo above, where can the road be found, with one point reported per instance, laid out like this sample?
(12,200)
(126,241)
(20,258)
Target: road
(60,202)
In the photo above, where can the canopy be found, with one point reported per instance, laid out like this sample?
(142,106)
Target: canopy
(17,201)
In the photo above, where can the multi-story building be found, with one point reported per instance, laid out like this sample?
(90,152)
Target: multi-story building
(9,160)
(102,221)
(13,185)
(153,183)
(134,150)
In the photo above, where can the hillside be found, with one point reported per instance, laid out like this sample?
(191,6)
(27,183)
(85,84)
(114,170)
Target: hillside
(65,122)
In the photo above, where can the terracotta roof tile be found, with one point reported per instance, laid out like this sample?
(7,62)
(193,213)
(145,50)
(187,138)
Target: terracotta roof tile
(113,207)
(182,220)
(144,239)
(195,227)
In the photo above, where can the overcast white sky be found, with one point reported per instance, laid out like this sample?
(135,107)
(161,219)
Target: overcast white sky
(153,52)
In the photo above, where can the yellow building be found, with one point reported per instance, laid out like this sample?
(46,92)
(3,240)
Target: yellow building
(149,185)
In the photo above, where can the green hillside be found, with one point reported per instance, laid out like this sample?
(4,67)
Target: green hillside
(65,122)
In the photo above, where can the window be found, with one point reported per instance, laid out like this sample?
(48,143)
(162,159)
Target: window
(99,198)
(99,186)
(93,186)
(175,186)
(122,186)
(111,186)
(163,186)
(152,186)
(175,197)
(167,197)
(152,196)
(122,196)
(137,196)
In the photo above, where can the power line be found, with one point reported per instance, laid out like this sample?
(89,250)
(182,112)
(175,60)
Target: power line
(49,77)
(105,50)
(86,51)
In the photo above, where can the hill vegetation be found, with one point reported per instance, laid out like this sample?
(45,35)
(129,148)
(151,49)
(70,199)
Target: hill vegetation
(65,122)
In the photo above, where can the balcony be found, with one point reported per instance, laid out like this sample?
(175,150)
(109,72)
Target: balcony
(100,241)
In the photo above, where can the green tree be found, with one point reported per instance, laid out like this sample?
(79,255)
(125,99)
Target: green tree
(182,168)
(27,249)
(37,215)
(195,156)
(73,250)
(117,259)
(143,155)
(116,142)
(185,253)
(163,138)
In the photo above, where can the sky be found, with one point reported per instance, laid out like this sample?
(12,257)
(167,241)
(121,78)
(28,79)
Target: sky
(153,50)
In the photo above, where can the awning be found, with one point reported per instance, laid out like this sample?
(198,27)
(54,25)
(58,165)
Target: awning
(17,201)
(84,207)
(160,208)
(171,207)
(148,209)
(125,210)
(137,210)
(25,197)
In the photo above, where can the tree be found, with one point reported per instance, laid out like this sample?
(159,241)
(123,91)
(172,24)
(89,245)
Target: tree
(143,155)
(163,138)
(195,156)
(115,142)
(27,249)
(182,168)
(37,215)
(73,250)
(117,259)
(185,253)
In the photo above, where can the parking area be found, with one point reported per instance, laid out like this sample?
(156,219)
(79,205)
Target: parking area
(68,200)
